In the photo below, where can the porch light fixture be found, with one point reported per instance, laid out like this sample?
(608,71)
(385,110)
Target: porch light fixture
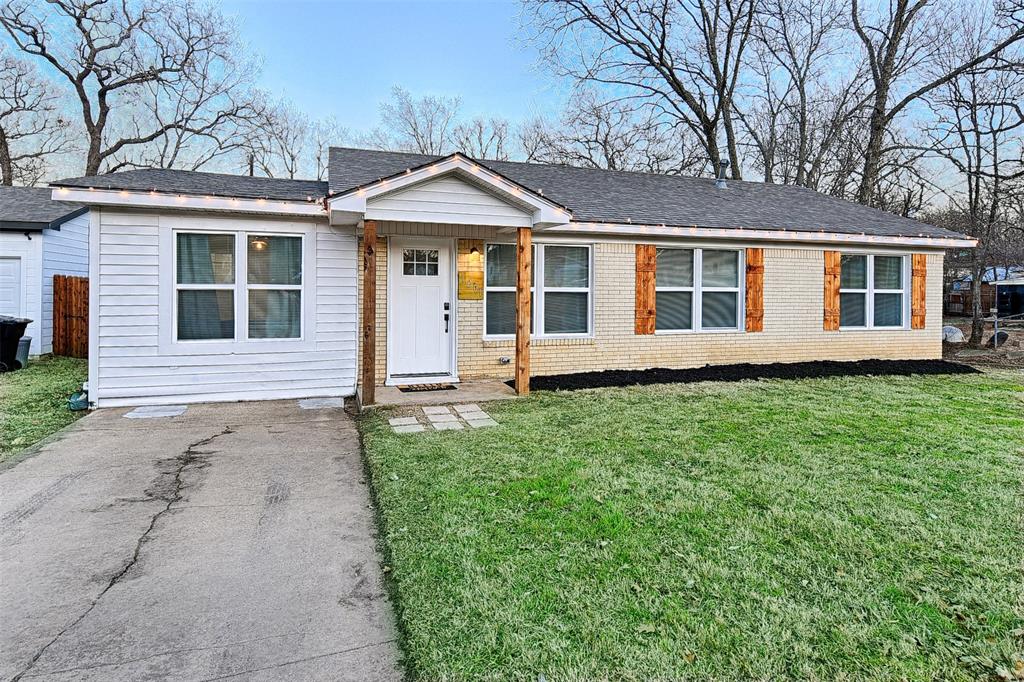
(475,251)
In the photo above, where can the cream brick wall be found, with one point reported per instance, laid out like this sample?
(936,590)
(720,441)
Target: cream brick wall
(793,309)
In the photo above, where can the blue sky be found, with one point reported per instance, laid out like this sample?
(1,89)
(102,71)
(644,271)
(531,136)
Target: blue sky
(341,58)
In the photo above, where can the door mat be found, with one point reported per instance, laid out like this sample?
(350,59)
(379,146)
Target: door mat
(416,388)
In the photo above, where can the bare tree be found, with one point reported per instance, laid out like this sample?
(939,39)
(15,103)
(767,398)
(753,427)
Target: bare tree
(118,54)
(31,129)
(325,133)
(900,44)
(484,138)
(805,92)
(616,135)
(421,125)
(683,57)
(278,143)
(978,128)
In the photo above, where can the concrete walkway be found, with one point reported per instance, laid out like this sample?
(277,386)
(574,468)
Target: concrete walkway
(230,542)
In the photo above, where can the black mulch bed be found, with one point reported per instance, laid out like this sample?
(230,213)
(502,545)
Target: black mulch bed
(778,370)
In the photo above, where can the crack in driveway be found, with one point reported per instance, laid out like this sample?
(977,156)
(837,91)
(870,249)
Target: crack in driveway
(191,457)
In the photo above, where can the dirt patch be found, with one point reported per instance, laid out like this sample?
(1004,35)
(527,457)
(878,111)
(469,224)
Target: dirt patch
(779,370)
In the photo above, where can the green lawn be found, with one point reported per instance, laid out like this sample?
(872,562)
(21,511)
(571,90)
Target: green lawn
(34,401)
(852,528)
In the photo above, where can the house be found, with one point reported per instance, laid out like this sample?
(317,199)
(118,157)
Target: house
(39,238)
(959,298)
(412,269)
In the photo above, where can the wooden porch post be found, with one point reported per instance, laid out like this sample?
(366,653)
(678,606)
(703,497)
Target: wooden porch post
(524,264)
(369,310)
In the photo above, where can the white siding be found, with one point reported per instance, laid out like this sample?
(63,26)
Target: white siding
(134,362)
(65,252)
(447,200)
(30,252)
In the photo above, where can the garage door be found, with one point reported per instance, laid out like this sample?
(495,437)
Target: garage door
(10,286)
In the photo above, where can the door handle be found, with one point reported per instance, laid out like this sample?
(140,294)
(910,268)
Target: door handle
(446,323)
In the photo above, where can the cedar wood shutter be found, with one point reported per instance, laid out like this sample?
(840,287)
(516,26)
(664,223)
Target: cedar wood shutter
(918,275)
(755,290)
(646,267)
(833,268)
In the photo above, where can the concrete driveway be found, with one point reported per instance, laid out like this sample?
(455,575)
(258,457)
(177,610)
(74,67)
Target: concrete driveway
(234,541)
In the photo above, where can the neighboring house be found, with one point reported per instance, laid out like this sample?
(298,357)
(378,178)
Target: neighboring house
(959,298)
(221,287)
(39,238)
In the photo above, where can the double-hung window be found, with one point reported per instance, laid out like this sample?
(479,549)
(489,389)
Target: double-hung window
(872,291)
(560,293)
(237,286)
(697,289)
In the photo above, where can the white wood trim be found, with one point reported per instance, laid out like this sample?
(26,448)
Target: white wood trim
(94,305)
(107,197)
(350,207)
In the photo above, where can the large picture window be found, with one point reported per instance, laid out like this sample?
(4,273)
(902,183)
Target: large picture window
(697,289)
(872,291)
(560,292)
(225,293)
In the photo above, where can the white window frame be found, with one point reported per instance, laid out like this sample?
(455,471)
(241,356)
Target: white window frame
(241,343)
(698,289)
(538,290)
(870,291)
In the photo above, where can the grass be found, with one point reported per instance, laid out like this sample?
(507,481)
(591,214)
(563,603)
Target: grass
(823,529)
(34,401)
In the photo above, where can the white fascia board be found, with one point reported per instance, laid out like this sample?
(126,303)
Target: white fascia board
(761,235)
(132,199)
(345,207)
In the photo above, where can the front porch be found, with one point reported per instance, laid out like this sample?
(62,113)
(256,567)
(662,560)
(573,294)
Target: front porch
(422,298)
(473,391)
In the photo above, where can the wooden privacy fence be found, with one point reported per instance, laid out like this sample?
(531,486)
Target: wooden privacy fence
(71,316)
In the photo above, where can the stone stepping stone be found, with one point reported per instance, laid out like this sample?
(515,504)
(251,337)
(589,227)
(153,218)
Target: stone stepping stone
(403,421)
(436,409)
(446,426)
(408,428)
(478,423)
(436,419)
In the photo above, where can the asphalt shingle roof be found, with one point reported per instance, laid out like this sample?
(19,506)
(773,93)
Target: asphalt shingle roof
(31,208)
(203,184)
(594,195)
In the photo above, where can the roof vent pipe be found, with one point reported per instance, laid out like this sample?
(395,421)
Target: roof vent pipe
(723,165)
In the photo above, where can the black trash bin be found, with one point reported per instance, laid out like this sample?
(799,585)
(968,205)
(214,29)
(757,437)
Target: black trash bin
(11,331)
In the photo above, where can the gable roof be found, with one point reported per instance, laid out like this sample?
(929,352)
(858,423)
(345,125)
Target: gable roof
(602,196)
(33,209)
(199,183)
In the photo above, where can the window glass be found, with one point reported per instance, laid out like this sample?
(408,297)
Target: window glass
(675,268)
(852,310)
(888,310)
(206,258)
(854,273)
(501,312)
(274,260)
(718,310)
(674,310)
(422,262)
(565,313)
(206,314)
(888,272)
(275,314)
(566,266)
(501,265)
(720,269)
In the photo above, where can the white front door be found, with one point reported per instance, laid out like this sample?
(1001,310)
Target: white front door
(10,286)
(421,321)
